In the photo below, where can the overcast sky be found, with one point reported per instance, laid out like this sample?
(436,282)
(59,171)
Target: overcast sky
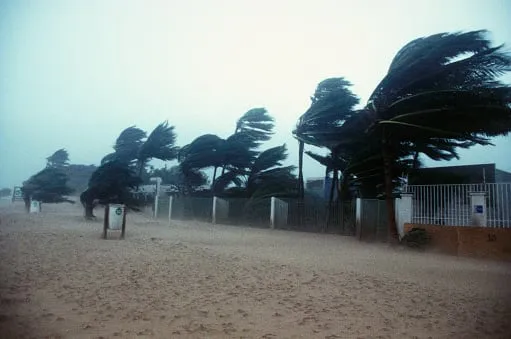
(73,74)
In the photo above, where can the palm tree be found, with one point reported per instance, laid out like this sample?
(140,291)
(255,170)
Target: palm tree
(266,176)
(234,154)
(331,105)
(441,92)
(59,159)
(135,148)
(47,186)
(160,144)
(127,146)
(112,182)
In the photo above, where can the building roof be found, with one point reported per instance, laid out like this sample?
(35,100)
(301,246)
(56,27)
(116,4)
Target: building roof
(466,174)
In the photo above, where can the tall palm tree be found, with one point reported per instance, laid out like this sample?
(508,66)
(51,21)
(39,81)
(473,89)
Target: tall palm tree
(235,154)
(331,105)
(266,176)
(442,91)
(127,146)
(134,148)
(112,182)
(160,144)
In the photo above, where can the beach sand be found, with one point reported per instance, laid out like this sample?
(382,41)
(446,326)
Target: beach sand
(59,279)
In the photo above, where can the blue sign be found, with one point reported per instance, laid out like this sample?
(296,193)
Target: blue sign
(478,209)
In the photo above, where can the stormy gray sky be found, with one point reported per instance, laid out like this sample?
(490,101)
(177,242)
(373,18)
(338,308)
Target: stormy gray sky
(73,74)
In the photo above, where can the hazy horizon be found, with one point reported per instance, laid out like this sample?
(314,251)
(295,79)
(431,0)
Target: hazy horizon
(74,74)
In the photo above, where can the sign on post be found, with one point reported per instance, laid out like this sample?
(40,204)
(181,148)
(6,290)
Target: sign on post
(35,206)
(17,195)
(115,219)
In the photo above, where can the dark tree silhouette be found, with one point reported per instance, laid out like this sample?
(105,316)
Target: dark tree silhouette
(112,182)
(46,186)
(59,159)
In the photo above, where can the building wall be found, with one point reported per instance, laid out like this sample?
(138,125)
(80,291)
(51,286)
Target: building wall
(478,242)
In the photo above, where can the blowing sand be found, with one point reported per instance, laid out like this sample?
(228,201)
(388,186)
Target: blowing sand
(58,279)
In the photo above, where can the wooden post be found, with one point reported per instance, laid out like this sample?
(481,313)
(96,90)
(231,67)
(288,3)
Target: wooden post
(105,221)
(123,231)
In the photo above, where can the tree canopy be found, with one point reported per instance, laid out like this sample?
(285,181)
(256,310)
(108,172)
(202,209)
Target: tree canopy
(441,93)
(47,186)
(134,148)
(245,168)
(59,159)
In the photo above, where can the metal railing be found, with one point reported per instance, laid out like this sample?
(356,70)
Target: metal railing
(451,205)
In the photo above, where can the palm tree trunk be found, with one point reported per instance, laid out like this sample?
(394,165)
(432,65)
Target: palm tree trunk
(389,188)
(140,168)
(89,210)
(415,164)
(301,190)
(331,198)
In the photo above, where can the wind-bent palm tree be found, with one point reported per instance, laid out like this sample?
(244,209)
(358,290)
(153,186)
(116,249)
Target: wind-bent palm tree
(331,105)
(441,92)
(160,144)
(266,176)
(59,159)
(112,182)
(47,186)
(235,154)
(134,148)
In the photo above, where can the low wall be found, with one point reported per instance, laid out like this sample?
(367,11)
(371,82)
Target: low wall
(480,242)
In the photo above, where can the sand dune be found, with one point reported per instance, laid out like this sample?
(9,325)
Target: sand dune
(58,279)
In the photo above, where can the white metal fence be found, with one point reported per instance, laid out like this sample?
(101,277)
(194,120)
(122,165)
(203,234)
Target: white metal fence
(450,204)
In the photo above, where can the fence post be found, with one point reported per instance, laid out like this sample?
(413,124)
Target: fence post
(220,209)
(156,198)
(272,213)
(358,218)
(478,208)
(278,212)
(171,200)
(213,217)
(404,212)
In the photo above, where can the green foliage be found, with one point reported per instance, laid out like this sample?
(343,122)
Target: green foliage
(59,159)
(441,93)
(112,182)
(246,171)
(416,237)
(47,186)
(127,146)
(160,144)
(134,147)
(256,126)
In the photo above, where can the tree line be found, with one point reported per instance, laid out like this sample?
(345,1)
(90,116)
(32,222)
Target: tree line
(441,93)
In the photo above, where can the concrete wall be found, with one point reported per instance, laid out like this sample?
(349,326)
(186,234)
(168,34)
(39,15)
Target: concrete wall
(478,242)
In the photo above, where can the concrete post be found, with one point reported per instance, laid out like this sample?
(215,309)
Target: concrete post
(171,200)
(157,180)
(278,212)
(404,206)
(156,198)
(220,209)
(272,212)
(478,209)
(213,219)
(358,218)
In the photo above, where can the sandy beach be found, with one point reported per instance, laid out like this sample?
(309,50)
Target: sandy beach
(59,279)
